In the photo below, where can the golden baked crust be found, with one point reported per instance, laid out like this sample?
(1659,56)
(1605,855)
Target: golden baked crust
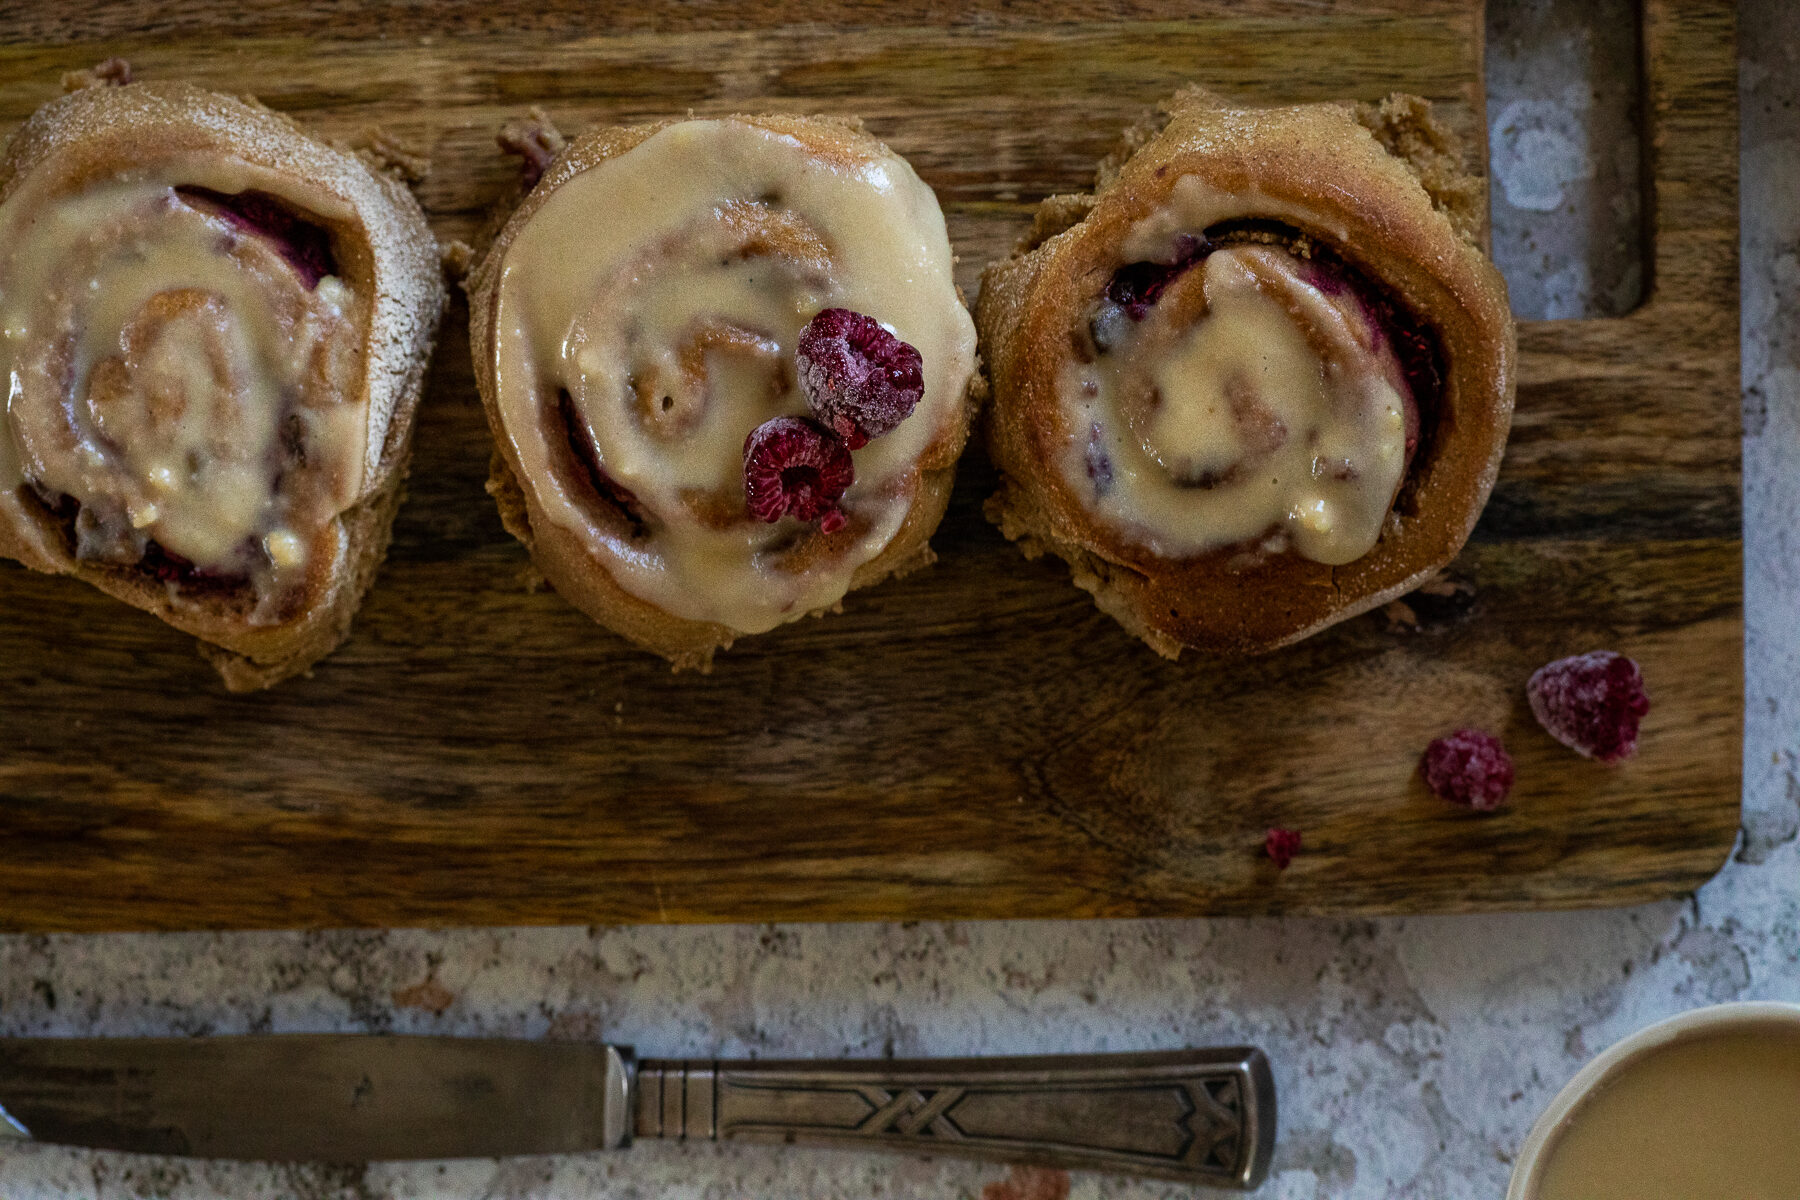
(557,552)
(1336,174)
(385,253)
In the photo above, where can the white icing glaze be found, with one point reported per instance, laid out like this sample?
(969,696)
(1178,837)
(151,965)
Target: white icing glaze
(162,366)
(1247,402)
(1193,205)
(665,289)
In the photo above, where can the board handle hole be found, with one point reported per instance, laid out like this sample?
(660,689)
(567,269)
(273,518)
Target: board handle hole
(1566,156)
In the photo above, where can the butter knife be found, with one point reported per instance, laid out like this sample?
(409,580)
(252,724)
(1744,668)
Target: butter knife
(1200,1116)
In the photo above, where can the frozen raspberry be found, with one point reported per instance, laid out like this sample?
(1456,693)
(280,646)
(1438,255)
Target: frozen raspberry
(796,467)
(860,379)
(1591,703)
(1470,768)
(1281,845)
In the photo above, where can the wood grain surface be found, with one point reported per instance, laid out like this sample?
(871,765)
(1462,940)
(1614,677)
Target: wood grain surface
(975,740)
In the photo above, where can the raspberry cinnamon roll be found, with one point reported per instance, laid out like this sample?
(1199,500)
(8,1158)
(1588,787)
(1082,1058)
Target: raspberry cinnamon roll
(727,372)
(215,329)
(1260,380)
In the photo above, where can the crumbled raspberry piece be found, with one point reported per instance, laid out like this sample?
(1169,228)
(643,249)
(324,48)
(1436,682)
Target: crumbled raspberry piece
(1470,768)
(1591,703)
(796,467)
(860,379)
(1281,845)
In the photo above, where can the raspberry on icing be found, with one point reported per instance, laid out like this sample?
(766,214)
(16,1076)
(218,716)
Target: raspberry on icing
(1470,768)
(794,466)
(860,379)
(1281,845)
(1591,703)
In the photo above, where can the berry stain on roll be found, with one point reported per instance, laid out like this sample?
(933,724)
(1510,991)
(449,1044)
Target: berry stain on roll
(705,316)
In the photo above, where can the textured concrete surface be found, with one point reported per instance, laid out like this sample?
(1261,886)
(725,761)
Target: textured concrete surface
(1563,141)
(1412,1055)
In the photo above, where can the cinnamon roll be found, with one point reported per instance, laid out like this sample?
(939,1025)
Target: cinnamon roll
(1260,380)
(727,372)
(215,329)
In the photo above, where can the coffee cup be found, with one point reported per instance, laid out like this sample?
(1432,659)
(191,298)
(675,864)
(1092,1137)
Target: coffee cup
(1702,1105)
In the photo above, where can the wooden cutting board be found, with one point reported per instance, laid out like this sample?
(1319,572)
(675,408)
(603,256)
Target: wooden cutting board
(975,740)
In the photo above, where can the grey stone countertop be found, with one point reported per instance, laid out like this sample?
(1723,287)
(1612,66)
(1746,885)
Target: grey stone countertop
(1411,1054)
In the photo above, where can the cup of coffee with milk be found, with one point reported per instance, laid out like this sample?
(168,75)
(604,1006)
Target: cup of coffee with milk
(1703,1106)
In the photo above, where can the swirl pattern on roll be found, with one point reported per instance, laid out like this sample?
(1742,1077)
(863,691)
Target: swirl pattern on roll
(640,319)
(1256,396)
(213,329)
(1261,379)
(183,377)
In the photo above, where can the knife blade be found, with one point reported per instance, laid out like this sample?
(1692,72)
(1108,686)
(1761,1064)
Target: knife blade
(1202,1116)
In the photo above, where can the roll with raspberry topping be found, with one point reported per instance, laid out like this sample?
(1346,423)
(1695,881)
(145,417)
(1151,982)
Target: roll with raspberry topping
(727,372)
(1260,380)
(215,328)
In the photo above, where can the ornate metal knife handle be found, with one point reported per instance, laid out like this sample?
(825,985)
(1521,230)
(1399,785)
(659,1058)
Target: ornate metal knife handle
(1202,1116)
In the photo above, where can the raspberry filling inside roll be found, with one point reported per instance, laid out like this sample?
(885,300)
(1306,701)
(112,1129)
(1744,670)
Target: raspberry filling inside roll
(1244,386)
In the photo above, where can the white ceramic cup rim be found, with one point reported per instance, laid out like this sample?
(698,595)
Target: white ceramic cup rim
(1676,1028)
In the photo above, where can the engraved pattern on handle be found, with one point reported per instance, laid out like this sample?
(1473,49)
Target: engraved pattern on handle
(1203,1116)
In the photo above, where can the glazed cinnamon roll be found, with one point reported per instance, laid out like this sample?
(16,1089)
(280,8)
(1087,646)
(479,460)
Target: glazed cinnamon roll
(215,329)
(727,372)
(1260,380)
